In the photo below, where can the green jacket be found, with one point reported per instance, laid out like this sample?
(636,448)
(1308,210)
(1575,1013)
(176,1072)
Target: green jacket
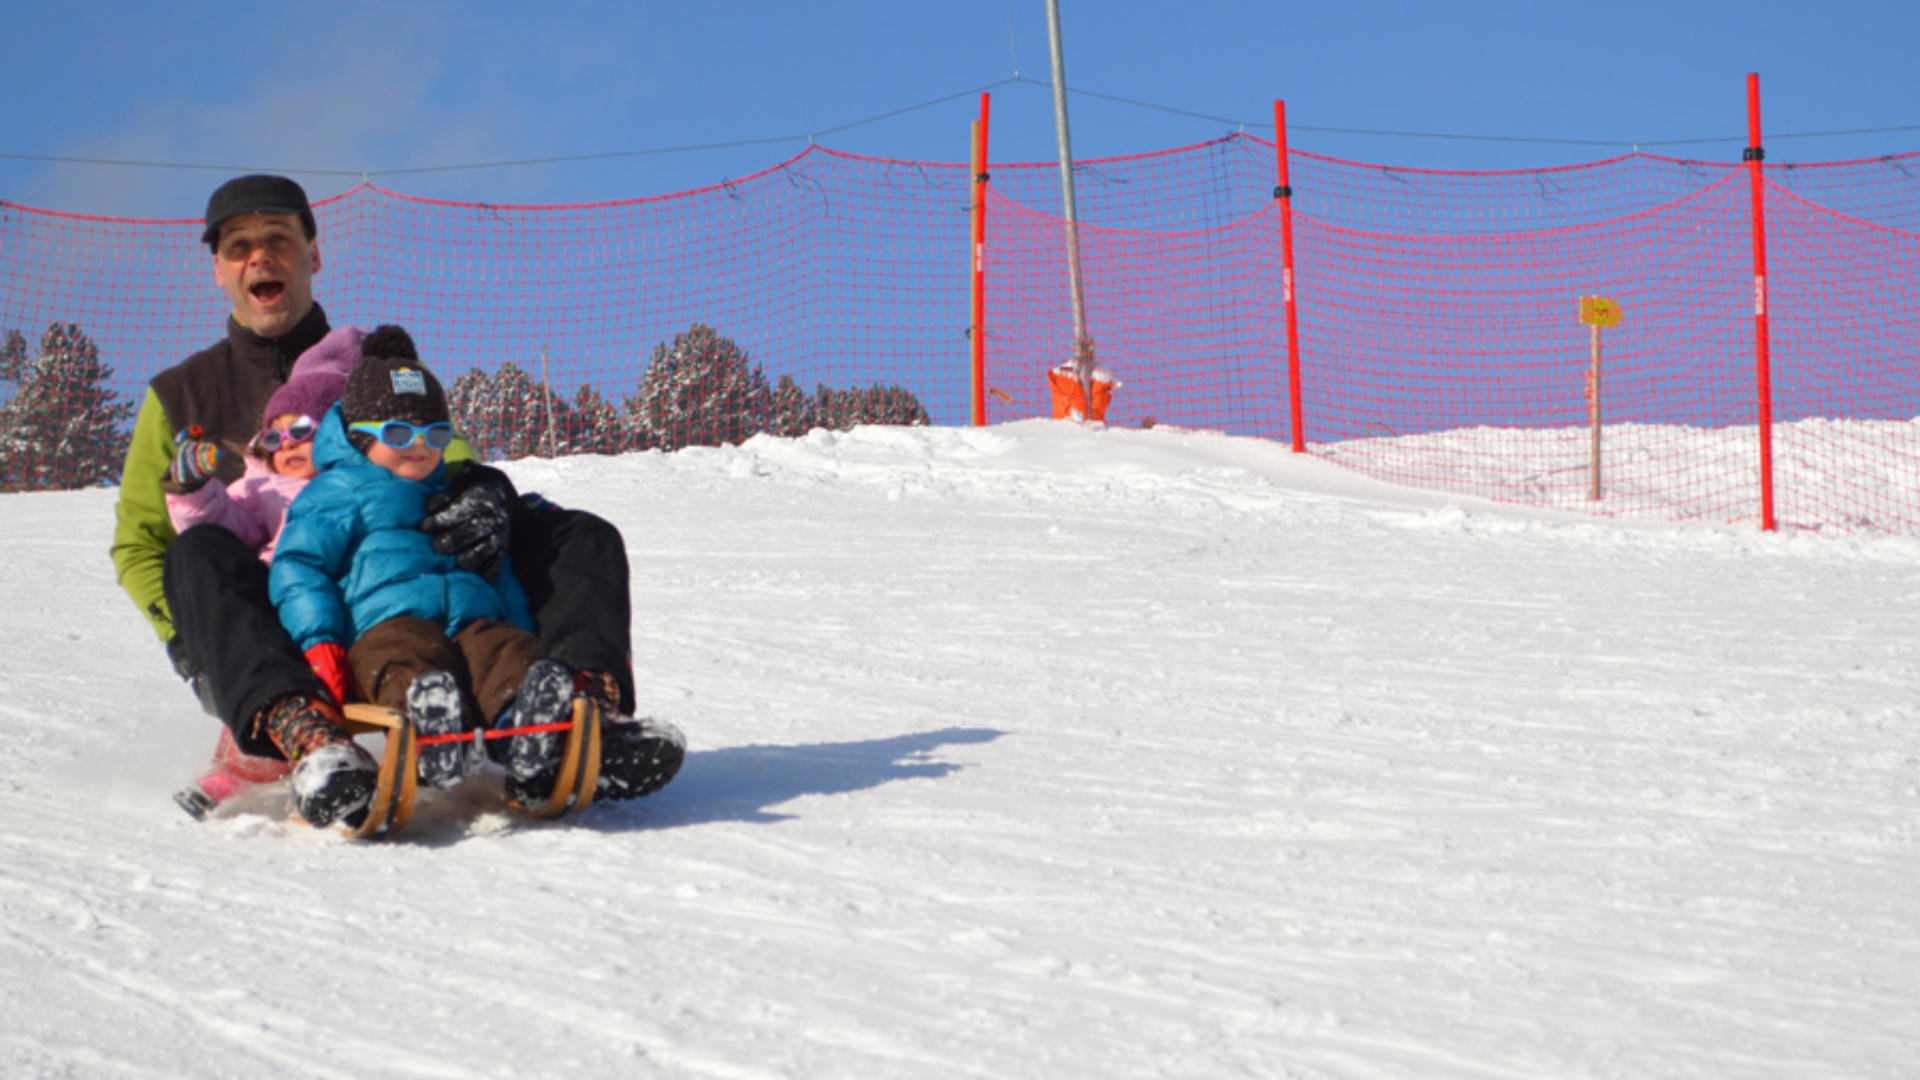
(223,389)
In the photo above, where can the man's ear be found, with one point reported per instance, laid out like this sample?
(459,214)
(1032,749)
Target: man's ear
(315,248)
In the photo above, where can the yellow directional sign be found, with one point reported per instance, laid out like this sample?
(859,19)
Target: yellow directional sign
(1599,311)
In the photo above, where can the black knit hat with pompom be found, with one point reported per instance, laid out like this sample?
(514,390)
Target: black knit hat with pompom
(390,383)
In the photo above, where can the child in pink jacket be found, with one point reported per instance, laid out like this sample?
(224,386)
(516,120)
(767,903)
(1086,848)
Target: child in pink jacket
(279,463)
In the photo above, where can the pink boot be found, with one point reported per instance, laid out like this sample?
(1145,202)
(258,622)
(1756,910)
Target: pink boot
(229,773)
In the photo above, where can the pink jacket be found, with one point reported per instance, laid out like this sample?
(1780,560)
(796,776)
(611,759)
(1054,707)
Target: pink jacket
(252,508)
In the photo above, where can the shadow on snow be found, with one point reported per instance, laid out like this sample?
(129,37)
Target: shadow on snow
(744,783)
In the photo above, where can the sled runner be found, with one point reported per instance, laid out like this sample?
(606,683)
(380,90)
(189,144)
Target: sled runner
(392,801)
(579,762)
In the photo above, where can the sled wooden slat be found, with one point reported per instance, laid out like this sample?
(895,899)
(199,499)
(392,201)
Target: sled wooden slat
(393,796)
(579,766)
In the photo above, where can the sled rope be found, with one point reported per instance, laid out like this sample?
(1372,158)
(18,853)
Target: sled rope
(476,736)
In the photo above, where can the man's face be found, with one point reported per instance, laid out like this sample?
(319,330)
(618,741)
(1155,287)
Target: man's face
(265,264)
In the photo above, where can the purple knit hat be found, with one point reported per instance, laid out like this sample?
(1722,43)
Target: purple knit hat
(317,377)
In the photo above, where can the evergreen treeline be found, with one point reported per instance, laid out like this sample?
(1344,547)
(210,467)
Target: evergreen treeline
(699,390)
(63,426)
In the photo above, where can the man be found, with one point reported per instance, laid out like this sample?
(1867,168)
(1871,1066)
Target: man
(206,593)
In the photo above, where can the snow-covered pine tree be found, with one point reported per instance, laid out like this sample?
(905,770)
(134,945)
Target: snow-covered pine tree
(835,410)
(700,391)
(505,415)
(792,412)
(64,427)
(892,405)
(475,409)
(13,356)
(596,426)
(842,409)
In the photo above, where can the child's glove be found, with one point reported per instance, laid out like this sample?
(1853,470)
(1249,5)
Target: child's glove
(329,661)
(196,459)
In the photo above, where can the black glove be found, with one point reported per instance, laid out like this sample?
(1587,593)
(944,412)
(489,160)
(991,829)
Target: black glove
(471,519)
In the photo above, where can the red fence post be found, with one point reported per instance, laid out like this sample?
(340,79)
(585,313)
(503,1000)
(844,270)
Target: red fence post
(1284,192)
(1763,361)
(977,335)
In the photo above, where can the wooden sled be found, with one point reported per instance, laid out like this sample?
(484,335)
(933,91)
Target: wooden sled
(393,795)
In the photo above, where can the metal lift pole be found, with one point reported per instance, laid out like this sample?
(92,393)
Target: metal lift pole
(1082,342)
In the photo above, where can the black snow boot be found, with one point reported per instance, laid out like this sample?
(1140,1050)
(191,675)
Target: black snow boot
(638,755)
(533,761)
(433,703)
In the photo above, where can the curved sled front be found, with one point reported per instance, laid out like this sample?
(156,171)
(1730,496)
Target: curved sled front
(393,796)
(579,766)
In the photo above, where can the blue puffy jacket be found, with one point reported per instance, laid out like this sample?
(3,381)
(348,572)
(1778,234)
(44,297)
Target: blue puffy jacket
(352,554)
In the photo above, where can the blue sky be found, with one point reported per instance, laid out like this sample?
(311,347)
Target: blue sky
(331,90)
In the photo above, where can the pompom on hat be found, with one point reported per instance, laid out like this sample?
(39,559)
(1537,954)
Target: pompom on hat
(318,377)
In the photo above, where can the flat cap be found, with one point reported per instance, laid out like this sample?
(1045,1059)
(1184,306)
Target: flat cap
(255,194)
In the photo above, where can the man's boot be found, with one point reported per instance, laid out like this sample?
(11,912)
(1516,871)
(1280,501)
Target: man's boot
(638,755)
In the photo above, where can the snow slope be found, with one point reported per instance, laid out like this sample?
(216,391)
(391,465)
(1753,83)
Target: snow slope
(1037,751)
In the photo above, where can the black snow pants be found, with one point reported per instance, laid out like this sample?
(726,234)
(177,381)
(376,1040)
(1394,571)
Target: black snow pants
(573,567)
(216,588)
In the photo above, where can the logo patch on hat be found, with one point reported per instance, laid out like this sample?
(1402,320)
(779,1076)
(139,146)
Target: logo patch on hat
(408,380)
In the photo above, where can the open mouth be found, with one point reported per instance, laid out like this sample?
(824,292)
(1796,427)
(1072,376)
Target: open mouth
(267,292)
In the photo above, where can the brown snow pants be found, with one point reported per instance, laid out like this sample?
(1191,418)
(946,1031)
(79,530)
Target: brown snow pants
(487,658)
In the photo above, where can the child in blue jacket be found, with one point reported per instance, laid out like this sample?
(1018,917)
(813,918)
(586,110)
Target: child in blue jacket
(383,617)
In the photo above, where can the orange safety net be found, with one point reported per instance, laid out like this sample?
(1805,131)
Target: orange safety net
(1438,340)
